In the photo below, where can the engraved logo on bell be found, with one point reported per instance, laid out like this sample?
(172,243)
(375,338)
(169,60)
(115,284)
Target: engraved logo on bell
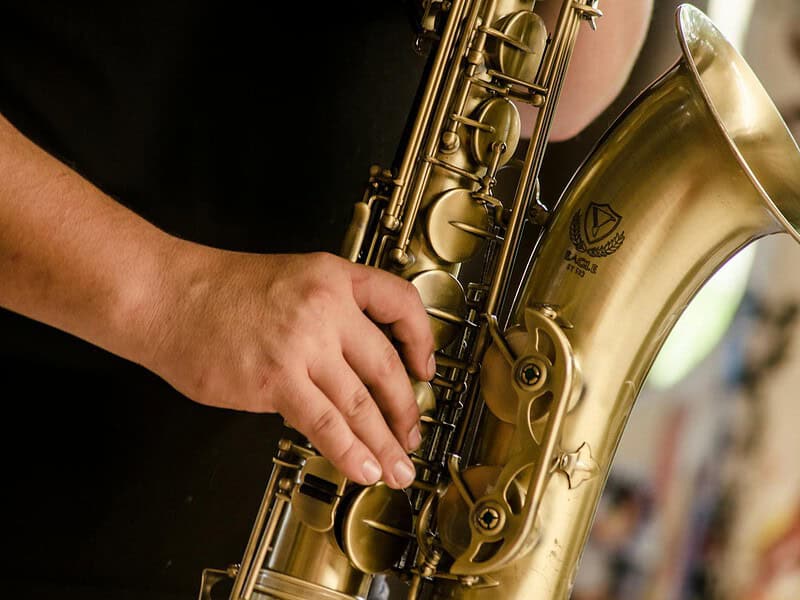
(600,222)
(594,233)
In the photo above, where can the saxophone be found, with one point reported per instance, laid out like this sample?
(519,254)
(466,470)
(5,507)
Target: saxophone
(534,385)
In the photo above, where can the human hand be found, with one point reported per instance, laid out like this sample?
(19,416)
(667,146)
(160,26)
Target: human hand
(294,334)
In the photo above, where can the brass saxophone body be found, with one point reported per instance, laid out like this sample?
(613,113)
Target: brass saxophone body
(522,421)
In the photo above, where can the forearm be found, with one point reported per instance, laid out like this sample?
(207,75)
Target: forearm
(600,66)
(72,257)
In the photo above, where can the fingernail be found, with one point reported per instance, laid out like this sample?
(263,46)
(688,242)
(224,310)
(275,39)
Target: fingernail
(371,471)
(414,438)
(431,367)
(404,473)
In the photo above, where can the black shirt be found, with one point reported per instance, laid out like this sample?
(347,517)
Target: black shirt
(205,120)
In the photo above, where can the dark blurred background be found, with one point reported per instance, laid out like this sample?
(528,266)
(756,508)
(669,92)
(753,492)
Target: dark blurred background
(207,122)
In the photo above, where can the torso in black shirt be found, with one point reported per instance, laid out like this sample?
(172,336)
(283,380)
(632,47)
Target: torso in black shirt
(205,120)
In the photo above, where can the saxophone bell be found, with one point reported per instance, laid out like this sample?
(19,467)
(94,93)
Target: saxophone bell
(699,166)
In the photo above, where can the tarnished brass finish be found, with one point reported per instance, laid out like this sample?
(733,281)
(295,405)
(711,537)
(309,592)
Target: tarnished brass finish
(354,237)
(698,167)
(520,424)
(457,225)
(210,579)
(317,495)
(497,382)
(444,299)
(426,403)
(457,508)
(272,585)
(519,60)
(308,556)
(376,528)
(530,462)
(578,466)
(426,398)
(502,117)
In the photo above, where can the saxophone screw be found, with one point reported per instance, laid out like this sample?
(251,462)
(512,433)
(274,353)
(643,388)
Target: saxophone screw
(530,374)
(489,518)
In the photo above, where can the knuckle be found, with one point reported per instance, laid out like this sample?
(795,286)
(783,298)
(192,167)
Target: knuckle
(324,425)
(389,361)
(317,300)
(317,292)
(402,404)
(326,262)
(347,448)
(413,295)
(359,404)
(324,258)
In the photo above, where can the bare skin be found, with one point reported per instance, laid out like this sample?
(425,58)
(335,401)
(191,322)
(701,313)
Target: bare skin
(601,63)
(293,334)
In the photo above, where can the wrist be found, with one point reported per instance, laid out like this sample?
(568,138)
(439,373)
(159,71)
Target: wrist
(148,298)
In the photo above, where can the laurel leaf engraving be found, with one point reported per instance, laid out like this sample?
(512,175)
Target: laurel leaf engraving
(575,232)
(608,248)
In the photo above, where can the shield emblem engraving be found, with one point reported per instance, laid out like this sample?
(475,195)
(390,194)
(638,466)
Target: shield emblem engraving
(599,222)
